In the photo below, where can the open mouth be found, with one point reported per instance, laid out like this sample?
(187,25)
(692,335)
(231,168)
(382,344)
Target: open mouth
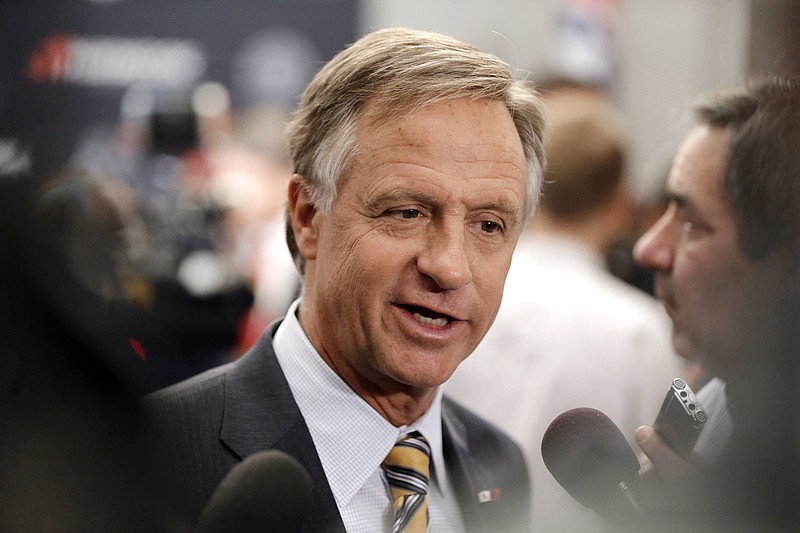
(427,317)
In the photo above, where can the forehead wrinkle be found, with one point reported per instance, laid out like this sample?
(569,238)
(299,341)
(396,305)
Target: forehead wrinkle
(475,153)
(466,154)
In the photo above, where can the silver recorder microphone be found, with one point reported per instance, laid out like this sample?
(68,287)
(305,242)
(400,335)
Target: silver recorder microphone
(681,418)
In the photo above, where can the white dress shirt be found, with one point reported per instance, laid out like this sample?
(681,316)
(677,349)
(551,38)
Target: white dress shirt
(352,439)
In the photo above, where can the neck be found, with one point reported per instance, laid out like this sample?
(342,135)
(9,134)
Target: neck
(401,408)
(399,403)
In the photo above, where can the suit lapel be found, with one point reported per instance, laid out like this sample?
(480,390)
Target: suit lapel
(468,475)
(260,413)
(259,407)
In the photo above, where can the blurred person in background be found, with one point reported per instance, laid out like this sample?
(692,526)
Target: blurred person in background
(93,315)
(147,197)
(120,276)
(74,441)
(725,258)
(417,160)
(568,333)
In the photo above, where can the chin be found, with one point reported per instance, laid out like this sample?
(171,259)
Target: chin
(425,377)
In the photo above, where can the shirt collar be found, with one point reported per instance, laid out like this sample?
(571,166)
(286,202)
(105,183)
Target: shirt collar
(353,443)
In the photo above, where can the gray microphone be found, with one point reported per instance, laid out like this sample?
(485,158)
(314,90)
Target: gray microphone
(589,456)
(268,491)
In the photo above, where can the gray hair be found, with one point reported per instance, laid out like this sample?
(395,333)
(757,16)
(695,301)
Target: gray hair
(399,70)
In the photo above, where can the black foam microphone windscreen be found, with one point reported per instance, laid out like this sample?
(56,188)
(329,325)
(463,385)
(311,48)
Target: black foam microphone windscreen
(589,456)
(269,491)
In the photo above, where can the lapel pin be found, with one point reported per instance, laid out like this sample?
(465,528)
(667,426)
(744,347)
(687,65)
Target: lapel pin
(490,495)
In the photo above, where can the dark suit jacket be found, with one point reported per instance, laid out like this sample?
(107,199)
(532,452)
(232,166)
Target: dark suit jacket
(214,420)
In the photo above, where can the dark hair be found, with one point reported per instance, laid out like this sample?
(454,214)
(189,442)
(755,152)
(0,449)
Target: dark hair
(762,171)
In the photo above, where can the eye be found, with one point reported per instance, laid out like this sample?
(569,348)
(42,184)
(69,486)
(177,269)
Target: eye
(409,213)
(490,226)
(693,228)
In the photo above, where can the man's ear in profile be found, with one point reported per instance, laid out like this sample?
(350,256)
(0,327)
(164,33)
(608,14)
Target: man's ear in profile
(303,216)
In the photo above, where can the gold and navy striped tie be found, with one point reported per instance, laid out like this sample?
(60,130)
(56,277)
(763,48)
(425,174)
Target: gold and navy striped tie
(407,470)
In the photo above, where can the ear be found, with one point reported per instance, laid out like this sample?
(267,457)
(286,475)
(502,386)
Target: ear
(303,215)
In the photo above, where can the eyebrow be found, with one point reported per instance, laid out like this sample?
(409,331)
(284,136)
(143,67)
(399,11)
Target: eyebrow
(682,200)
(398,195)
(427,199)
(512,213)
(684,204)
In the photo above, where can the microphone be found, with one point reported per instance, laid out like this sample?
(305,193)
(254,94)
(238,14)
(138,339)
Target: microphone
(268,491)
(590,458)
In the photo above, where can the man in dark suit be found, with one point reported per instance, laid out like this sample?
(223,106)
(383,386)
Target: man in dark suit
(417,162)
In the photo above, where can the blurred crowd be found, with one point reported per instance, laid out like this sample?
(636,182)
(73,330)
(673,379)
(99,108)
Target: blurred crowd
(160,242)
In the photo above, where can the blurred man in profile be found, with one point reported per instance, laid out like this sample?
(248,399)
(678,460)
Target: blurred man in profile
(417,161)
(569,334)
(725,258)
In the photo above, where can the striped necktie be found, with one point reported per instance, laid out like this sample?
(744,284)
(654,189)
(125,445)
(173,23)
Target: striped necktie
(407,470)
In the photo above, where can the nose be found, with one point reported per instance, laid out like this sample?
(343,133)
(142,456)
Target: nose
(655,249)
(445,257)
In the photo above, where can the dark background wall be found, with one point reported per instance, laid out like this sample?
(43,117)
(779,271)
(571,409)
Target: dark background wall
(64,65)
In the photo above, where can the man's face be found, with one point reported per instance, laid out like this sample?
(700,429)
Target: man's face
(710,290)
(406,273)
